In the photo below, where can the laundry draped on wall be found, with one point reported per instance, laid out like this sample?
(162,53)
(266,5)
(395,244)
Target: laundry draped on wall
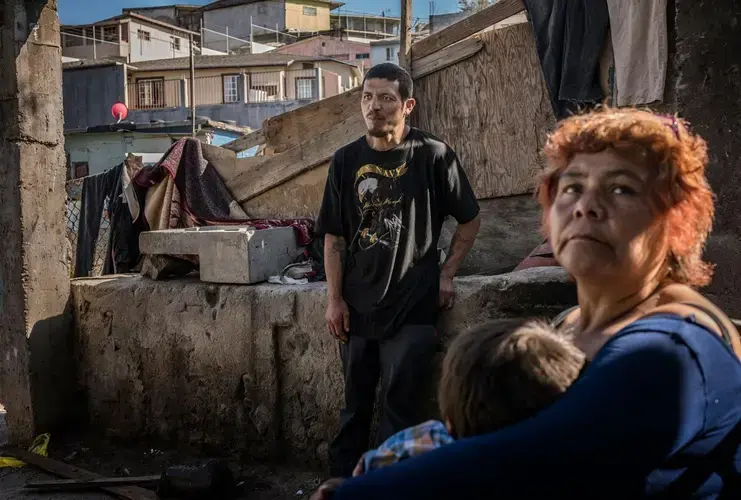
(639,40)
(121,253)
(569,37)
(185,190)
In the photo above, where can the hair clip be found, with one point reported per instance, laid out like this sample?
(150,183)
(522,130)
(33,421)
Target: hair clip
(671,123)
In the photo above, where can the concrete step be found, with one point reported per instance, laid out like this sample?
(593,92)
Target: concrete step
(227,254)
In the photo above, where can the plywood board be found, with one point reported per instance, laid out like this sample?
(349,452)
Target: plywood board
(467,27)
(493,109)
(254,178)
(290,129)
(298,197)
(446,57)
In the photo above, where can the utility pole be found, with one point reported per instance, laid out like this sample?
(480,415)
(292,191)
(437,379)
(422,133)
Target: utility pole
(95,45)
(227,39)
(405,48)
(192,90)
(251,37)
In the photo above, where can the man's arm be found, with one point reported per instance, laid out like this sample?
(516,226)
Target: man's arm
(338,315)
(463,239)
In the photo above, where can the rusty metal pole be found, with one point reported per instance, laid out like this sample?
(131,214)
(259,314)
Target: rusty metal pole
(405,38)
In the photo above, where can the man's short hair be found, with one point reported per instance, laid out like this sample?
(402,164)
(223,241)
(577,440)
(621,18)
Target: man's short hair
(393,73)
(491,378)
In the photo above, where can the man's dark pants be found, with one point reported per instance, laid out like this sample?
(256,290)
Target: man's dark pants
(404,364)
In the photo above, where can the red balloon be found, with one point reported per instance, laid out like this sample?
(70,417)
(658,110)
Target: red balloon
(119,111)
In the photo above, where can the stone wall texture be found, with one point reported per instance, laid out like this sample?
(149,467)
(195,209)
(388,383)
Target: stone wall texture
(244,368)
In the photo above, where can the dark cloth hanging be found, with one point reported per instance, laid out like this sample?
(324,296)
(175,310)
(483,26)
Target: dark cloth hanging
(570,36)
(95,190)
(121,248)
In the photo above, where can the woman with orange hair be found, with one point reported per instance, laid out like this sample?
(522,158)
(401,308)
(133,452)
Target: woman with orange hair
(657,412)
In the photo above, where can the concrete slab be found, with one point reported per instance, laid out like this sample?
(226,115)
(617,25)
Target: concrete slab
(228,254)
(242,368)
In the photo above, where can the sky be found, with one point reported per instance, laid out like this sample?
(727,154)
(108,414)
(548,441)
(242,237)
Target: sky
(88,11)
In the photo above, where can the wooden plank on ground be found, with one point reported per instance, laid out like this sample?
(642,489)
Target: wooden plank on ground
(446,57)
(68,471)
(277,169)
(93,484)
(254,138)
(493,109)
(466,27)
(287,130)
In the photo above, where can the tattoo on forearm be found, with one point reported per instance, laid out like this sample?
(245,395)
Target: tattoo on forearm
(338,245)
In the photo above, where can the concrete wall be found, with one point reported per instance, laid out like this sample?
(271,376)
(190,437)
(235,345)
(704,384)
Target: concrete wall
(36,371)
(89,95)
(248,368)
(704,85)
(237,19)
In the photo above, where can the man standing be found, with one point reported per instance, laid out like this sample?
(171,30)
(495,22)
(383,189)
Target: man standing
(386,197)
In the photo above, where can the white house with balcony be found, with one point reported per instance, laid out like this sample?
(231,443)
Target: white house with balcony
(130,37)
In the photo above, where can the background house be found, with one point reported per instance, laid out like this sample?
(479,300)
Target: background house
(185,16)
(94,150)
(129,37)
(357,53)
(359,26)
(241,89)
(229,24)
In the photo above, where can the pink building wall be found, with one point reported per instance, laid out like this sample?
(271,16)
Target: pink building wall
(342,50)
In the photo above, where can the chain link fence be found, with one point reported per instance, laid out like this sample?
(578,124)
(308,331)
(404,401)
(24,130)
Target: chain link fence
(74,209)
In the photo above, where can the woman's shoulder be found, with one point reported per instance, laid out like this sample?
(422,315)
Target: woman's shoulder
(686,302)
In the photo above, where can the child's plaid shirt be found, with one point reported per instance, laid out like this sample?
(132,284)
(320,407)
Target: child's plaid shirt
(407,443)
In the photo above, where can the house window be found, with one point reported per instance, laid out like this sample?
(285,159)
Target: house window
(309,11)
(389,54)
(81,169)
(306,88)
(231,88)
(175,43)
(144,36)
(362,56)
(110,33)
(88,33)
(151,93)
(125,32)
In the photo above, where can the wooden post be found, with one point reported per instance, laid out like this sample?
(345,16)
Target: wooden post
(405,36)
(192,87)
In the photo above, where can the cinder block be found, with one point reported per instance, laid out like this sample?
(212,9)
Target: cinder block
(227,254)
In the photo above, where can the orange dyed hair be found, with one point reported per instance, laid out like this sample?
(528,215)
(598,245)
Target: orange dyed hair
(681,194)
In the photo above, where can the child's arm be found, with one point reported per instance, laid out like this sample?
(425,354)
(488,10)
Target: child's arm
(404,444)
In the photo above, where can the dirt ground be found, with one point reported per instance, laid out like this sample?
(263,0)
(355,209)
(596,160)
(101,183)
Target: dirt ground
(261,482)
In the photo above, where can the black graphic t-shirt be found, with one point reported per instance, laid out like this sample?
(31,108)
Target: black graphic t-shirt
(389,207)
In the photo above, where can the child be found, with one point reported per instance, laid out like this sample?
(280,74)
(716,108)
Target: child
(490,379)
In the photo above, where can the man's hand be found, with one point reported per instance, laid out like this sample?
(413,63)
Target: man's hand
(338,319)
(447,292)
(327,489)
